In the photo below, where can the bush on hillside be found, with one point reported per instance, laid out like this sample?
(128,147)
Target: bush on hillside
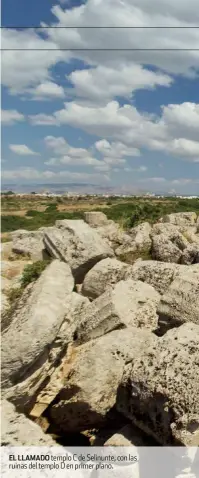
(33,271)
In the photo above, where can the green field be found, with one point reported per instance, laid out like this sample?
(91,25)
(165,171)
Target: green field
(128,212)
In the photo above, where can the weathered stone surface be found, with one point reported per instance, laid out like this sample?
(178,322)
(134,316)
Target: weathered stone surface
(127,252)
(6,250)
(17,430)
(6,284)
(180,303)
(137,243)
(128,304)
(171,230)
(159,391)
(164,250)
(181,218)
(43,373)
(76,243)
(89,382)
(156,273)
(168,248)
(95,218)
(114,234)
(36,324)
(29,243)
(78,288)
(105,273)
(164,228)
(190,233)
(13,269)
(4,303)
(141,235)
(75,309)
(190,255)
(11,279)
(127,436)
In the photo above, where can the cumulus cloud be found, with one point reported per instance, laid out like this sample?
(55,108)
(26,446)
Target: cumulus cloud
(104,83)
(130,130)
(10,117)
(22,150)
(42,119)
(25,69)
(123,131)
(111,154)
(73,160)
(140,169)
(48,90)
(115,149)
(122,71)
(127,13)
(68,154)
(31,174)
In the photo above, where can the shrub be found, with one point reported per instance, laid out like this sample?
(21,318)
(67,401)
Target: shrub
(33,271)
(37,220)
(12,223)
(8,193)
(51,207)
(131,257)
(33,212)
(6,238)
(14,294)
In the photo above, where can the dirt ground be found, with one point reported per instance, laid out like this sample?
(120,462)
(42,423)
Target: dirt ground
(67,207)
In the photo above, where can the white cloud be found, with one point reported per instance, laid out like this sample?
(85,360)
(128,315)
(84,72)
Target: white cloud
(112,73)
(115,149)
(185,147)
(10,117)
(22,150)
(124,130)
(140,169)
(183,181)
(48,90)
(130,130)
(143,169)
(103,167)
(153,180)
(32,174)
(21,173)
(52,162)
(25,69)
(68,154)
(127,13)
(169,182)
(182,117)
(73,160)
(105,83)
(111,153)
(43,119)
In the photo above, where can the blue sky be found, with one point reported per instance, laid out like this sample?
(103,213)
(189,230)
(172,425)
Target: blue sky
(116,118)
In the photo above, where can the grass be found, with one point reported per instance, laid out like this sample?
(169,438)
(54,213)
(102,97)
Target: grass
(6,238)
(37,220)
(127,212)
(134,212)
(33,271)
(30,274)
(131,257)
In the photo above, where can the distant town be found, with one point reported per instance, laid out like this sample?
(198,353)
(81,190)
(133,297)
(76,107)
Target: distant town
(77,195)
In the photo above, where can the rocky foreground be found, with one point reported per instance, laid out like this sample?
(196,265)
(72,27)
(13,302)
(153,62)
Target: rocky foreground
(103,337)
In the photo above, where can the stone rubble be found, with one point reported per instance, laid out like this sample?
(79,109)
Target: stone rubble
(103,331)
